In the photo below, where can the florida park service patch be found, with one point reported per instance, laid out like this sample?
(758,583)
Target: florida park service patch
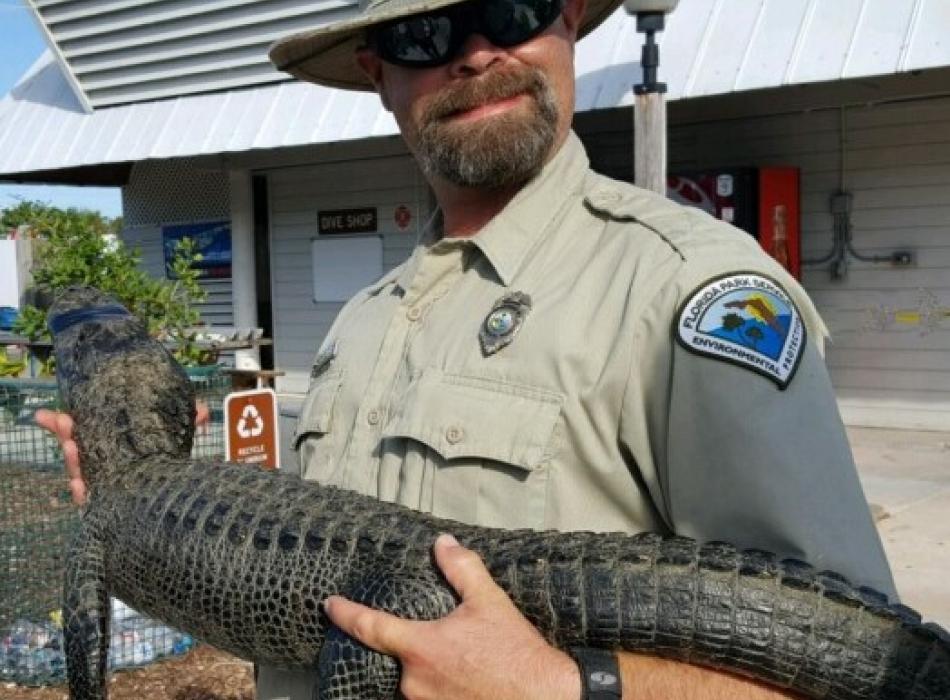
(746,319)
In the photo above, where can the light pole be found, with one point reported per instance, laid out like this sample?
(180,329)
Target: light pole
(649,114)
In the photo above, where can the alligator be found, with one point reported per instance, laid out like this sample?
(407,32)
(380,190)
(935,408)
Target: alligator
(242,558)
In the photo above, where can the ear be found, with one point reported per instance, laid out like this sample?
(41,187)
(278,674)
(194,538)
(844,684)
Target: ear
(573,13)
(372,66)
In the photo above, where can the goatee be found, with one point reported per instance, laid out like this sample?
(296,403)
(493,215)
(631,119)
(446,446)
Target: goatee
(494,152)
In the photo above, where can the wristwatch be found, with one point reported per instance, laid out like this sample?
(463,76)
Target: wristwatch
(600,673)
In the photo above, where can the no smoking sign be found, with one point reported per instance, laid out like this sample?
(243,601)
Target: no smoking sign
(250,419)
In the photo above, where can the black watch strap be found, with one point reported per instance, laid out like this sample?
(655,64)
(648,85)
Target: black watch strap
(600,673)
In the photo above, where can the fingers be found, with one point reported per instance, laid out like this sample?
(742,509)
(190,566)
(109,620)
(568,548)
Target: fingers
(202,414)
(378,630)
(61,425)
(77,486)
(46,419)
(463,568)
(64,427)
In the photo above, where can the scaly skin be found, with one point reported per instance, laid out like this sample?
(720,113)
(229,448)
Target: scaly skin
(242,559)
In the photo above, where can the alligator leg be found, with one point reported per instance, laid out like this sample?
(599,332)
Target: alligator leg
(347,668)
(86,618)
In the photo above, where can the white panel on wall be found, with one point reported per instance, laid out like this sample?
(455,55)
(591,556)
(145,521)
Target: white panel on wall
(343,266)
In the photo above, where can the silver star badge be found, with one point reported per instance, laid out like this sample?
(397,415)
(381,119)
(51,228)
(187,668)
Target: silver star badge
(503,322)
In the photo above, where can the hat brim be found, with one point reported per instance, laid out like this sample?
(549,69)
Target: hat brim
(327,55)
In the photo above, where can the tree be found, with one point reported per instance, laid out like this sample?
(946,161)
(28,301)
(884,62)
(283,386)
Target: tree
(82,247)
(733,322)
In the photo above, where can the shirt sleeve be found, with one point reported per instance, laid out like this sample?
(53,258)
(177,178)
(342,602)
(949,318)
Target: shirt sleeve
(740,459)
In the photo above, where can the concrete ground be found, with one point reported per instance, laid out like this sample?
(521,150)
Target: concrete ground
(906,478)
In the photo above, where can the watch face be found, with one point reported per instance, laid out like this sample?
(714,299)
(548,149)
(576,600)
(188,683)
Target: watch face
(602,680)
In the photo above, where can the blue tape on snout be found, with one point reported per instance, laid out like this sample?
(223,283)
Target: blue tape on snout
(67,319)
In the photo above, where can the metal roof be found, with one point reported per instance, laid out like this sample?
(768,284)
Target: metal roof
(123,51)
(709,47)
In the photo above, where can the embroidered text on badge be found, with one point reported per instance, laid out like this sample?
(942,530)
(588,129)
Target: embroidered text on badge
(746,319)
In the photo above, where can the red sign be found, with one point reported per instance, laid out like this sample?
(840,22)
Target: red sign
(250,420)
(402,216)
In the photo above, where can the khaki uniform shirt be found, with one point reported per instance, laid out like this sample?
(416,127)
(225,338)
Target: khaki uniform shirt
(593,417)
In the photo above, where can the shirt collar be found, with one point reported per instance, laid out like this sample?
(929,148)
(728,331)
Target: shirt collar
(509,237)
(429,236)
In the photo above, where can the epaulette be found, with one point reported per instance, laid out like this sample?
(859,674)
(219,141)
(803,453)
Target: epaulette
(681,227)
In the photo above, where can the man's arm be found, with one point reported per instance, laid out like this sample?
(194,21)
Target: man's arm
(486,650)
(653,678)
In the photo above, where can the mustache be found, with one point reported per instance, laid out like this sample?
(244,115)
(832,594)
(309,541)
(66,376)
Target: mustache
(492,87)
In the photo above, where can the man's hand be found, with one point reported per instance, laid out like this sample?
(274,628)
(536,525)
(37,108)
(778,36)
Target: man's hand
(483,650)
(61,425)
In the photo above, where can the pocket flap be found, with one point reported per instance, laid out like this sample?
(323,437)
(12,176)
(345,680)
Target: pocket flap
(476,417)
(317,409)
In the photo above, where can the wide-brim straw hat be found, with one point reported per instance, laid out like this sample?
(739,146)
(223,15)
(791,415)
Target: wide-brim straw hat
(327,55)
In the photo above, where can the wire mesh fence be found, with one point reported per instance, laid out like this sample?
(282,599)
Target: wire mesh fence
(37,519)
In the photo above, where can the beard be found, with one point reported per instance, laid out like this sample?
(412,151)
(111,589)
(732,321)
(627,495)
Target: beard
(494,152)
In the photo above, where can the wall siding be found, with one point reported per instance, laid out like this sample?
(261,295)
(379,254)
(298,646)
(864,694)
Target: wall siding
(296,195)
(890,326)
(124,51)
(163,193)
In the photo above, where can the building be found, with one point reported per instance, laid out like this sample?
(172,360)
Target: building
(181,109)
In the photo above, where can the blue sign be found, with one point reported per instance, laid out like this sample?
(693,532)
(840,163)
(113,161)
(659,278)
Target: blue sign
(212,242)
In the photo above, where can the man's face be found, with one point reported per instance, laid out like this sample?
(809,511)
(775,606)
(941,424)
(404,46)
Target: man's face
(492,116)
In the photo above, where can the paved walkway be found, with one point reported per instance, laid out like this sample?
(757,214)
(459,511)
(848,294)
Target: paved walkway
(906,477)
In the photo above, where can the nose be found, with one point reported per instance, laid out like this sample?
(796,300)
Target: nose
(476,56)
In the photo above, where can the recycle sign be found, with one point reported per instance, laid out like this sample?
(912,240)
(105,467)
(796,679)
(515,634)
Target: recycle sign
(251,434)
(251,424)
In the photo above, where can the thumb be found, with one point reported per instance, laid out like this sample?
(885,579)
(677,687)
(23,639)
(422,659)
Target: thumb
(463,568)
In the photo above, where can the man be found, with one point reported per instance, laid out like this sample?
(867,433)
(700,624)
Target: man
(560,351)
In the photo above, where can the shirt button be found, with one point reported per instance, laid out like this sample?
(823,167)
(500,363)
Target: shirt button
(454,435)
(414,314)
(373,417)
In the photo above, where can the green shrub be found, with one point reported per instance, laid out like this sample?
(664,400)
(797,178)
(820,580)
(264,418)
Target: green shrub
(82,247)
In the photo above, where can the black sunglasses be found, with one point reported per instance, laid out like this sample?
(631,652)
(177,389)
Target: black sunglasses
(435,38)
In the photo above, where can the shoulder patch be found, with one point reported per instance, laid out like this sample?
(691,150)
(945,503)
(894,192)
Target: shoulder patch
(747,319)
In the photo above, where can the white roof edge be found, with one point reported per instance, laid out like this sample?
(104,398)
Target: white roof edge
(52,46)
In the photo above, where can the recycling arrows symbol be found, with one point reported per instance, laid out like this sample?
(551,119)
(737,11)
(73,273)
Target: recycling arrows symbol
(251,424)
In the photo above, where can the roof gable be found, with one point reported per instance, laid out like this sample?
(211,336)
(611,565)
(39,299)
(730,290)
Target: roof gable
(126,51)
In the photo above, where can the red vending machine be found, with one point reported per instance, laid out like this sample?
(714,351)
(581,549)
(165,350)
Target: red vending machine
(762,201)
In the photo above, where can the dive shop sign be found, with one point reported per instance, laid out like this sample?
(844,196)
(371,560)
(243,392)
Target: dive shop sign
(250,419)
(333,221)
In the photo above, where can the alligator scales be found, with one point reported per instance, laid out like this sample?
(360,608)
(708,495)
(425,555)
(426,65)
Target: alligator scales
(241,559)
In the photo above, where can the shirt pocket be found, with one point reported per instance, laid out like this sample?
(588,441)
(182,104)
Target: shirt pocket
(491,442)
(313,437)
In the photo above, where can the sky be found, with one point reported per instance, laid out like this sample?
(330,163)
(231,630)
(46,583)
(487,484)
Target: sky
(21,43)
